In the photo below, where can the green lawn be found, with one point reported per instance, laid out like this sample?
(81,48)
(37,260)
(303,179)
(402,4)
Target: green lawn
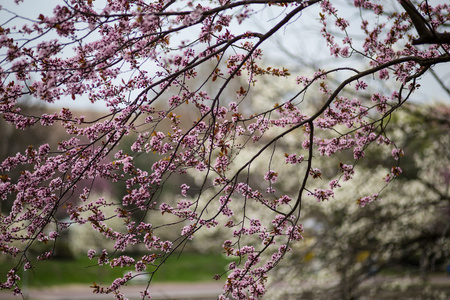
(187,267)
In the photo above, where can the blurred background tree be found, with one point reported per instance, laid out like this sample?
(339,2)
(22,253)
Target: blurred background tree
(390,245)
(352,252)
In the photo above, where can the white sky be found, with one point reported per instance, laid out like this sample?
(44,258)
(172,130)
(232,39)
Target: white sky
(293,37)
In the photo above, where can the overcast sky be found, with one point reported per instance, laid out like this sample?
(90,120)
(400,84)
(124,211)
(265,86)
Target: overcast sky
(293,37)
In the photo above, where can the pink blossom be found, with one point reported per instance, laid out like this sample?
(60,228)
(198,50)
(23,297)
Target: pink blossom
(397,153)
(321,194)
(367,199)
(91,253)
(271,176)
(184,189)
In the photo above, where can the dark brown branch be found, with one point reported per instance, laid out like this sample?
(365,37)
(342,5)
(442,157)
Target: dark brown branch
(427,35)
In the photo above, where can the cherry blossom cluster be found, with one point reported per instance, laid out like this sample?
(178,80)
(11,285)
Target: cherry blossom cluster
(150,64)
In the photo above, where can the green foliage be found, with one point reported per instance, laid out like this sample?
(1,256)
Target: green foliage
(188,267)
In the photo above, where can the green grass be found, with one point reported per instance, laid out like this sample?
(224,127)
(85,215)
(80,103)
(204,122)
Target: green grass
(188,267)
(192,267)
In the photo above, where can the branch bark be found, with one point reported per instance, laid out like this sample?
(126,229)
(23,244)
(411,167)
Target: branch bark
(427,34)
